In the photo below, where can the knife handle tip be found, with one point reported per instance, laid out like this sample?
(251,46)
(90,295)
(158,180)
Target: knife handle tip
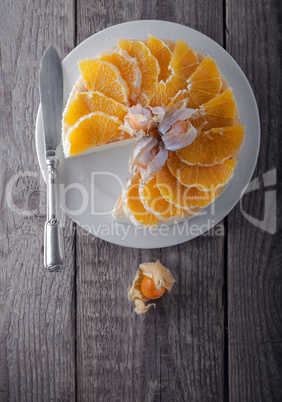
(53,246)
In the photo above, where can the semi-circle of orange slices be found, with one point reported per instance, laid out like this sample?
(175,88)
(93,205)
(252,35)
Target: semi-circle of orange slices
(157,73)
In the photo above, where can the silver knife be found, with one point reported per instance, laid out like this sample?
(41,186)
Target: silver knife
(51,97)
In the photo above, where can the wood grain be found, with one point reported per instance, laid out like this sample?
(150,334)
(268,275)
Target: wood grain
(173,353)
(255,255)
(37,308)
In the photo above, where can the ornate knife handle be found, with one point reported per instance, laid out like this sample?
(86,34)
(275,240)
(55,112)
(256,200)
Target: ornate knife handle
(54,255)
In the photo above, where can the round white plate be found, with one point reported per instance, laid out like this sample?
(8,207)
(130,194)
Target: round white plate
(90,185)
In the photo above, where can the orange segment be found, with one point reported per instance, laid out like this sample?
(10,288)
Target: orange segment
(181,99)
(160,97)
(156,204)
(104,77)
(148,65)
(174,84)
(162,53)
(129,70)
(182,196)
(181,95)
(168,90)
(134,206)
(205,83)
(88,102)
(220,111)
(183,61)
(213,146)
(92,130)
(202,177)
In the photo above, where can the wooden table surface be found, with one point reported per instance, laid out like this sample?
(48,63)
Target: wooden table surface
(73,335)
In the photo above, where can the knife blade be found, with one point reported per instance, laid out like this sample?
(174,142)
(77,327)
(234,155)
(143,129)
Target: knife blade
(51,97)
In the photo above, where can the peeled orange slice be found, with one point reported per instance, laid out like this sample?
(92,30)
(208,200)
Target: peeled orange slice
(148,65)
(180,96)
(160,96)
(156,204)
(102,76)
(183,60)
(174,84)
(129,70)
(168,90)
(182,64)
(88,102)
(220,111)
(202,177)
(134,207)
(162,53)
(205,82)
(93,130)
(213,146)
(182,196)
(181,99)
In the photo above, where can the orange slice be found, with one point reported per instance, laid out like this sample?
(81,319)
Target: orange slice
(220,111)
(129,70)
(134,207)
(205,83)
(167,90)
(104,77)
(88,102)
(181,99)
(202,177)
(182,64)
(184,60)
(182,196)
(160,97)
(180,96)
(156,204)
(92,130)
(213,146)
(148,65)
(174,84)
(162,53)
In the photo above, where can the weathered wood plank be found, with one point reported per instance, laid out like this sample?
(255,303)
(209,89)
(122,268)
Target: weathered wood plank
(255,258)
(37,308)
(173,353)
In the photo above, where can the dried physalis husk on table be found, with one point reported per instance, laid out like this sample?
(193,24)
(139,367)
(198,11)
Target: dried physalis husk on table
(161,277)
